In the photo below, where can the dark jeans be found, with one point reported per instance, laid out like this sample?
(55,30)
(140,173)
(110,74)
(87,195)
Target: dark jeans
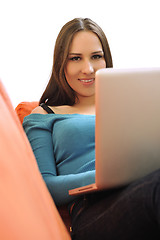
(127,213)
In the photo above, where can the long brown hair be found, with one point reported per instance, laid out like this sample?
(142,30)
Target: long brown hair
(58,92)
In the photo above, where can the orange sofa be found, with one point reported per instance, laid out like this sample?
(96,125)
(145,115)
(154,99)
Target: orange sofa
(27,210)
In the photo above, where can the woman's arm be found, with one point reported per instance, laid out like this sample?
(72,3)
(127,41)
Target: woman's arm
(40,136)
(60,185)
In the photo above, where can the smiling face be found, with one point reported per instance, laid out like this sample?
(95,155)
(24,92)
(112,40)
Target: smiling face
(85,57)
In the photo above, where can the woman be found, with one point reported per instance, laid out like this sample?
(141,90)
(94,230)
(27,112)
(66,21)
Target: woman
(63,142)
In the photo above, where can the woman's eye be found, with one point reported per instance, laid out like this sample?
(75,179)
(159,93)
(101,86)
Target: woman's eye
(97,56)
(75,59)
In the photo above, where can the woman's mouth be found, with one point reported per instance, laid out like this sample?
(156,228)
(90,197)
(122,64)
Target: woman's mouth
(87,81)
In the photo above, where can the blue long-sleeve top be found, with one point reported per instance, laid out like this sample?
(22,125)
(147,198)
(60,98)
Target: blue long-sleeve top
(64,147)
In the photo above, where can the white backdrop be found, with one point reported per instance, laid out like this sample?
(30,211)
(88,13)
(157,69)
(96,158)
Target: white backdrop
(28,30)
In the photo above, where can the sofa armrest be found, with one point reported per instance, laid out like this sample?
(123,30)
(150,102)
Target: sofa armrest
(27,209)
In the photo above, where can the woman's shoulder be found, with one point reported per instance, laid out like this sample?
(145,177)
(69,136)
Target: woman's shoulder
(39,110)
(39,116)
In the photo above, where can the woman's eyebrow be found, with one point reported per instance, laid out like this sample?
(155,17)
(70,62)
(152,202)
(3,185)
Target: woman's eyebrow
(75,54)
(97,52)
(91,53)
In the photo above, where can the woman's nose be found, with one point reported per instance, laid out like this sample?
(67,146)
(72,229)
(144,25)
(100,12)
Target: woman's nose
(87,67)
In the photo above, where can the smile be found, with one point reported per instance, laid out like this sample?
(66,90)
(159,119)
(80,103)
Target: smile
(86,80)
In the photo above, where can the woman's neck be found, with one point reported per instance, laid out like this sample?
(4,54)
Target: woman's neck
(85,101)
(85,104)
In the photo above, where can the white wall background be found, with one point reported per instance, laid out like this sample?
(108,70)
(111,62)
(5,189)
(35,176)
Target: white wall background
(28,29)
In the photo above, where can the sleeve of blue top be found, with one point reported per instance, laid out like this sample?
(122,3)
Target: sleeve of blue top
(40,138)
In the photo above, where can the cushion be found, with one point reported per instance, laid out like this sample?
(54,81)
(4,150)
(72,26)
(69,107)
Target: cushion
(27,210)
(25,108)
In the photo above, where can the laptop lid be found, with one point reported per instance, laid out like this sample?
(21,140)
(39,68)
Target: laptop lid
(127,125)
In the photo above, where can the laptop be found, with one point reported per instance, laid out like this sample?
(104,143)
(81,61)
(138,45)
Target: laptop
(127,128)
